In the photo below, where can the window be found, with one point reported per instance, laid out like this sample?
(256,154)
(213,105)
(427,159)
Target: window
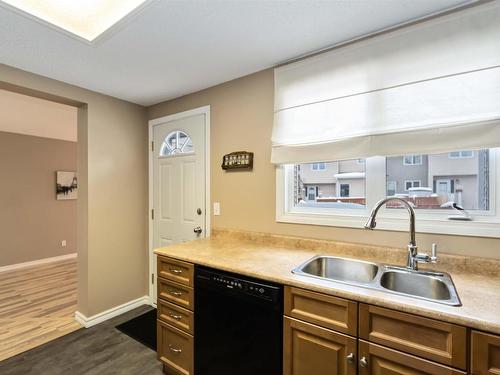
(176,142)
(318,166)
(412,184)
(345,194)
(344,190)
(391,188)
(412,160)
(461,154)
(341,187)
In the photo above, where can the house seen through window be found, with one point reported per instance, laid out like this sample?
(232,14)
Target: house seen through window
(429,181)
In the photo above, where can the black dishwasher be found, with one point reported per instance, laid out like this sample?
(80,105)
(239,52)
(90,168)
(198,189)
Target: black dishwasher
(238,324)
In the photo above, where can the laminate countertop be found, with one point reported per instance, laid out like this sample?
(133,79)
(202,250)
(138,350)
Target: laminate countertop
(272,258)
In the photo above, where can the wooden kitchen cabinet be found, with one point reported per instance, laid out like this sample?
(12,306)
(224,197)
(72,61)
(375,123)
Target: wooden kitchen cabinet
(330,312)
(485,355)
(175,350)
(377,360)
(312,350)
(175,323)
(427,338)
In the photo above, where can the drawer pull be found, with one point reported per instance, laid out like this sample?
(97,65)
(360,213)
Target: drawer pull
(363,362)
(175,270)
(174,350)
(174,293)
(350,358)
(175,316)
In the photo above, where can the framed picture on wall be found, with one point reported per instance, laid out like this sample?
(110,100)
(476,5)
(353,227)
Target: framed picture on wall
(66,185)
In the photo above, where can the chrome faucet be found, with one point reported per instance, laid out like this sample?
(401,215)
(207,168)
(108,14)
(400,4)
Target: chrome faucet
(413,256)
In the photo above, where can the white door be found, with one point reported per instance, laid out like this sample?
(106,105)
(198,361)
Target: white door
(179,184)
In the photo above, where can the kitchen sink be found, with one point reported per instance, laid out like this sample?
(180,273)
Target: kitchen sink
(339,269)
(427,285)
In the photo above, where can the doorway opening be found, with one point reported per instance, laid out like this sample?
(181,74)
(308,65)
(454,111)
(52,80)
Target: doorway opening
(38,221)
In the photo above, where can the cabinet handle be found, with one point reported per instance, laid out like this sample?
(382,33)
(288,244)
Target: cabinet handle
(174,350)
(174,316)
(175,270)
(363,362)
(174,293)
(350,358)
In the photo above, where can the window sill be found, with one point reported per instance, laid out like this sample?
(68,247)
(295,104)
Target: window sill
(478,227)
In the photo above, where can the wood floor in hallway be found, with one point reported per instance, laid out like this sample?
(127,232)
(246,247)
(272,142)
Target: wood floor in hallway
(37,305)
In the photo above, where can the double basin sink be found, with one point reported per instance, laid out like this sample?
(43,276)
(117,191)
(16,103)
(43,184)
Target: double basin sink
(427,285)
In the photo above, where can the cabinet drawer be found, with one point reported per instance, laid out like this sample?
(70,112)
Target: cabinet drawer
(321,309)
(176,293)
(485,354)
(176,270)
(312,350)
(176,316)
(438,341)
(175,349)
(377,360)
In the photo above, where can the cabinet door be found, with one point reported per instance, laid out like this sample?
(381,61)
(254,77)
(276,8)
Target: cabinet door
(485,354)
(312,350)
(427,338)
(175,349)
(377,360)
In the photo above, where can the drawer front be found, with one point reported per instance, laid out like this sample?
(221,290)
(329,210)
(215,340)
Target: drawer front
(312,350)
(176,316)
(485,354)
(176,270)
(175,349)
(324,310)
(377,360)
(438,341)
(178,294)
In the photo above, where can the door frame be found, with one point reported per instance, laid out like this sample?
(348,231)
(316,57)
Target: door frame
(151,124)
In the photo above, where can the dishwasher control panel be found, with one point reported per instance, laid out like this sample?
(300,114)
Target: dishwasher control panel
(239,284)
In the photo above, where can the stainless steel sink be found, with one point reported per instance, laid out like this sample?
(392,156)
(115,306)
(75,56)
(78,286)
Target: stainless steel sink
(339,269)
(428,285)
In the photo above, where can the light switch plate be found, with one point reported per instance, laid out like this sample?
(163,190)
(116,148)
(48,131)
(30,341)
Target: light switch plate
(216,208)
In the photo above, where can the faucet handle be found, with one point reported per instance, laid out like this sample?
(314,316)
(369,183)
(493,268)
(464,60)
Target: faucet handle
(434,256)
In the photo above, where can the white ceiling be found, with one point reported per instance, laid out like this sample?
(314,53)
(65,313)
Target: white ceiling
(172,48)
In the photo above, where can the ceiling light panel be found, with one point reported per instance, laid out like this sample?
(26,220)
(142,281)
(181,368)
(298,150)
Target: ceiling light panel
(87,19)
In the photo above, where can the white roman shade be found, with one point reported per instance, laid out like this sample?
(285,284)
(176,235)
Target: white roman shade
(431,87)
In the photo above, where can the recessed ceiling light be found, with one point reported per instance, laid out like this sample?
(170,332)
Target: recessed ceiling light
(85,18)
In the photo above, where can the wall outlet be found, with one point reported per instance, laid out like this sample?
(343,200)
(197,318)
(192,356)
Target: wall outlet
(63,243)
(216,208)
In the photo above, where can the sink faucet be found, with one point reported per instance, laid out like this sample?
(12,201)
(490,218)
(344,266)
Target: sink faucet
(413,256)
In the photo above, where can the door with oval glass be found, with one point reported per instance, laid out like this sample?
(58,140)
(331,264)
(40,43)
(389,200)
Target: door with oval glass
(179,185)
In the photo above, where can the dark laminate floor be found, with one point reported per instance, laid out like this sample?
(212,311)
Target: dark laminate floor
(101,349)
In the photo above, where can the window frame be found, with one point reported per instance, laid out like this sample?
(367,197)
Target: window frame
(348,189)
(413,159)
(461,155)
(484,223)
(318,165)
(412,184)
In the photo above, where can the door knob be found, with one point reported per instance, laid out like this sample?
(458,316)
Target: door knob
(350,358)
(197,230)
(363,362)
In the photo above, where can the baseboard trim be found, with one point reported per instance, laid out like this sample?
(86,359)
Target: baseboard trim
(38,262)
(111,313)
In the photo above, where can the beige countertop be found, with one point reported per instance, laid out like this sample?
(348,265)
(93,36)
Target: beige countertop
(272,257)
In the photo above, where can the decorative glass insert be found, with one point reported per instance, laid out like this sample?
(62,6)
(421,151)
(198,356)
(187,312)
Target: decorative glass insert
(177,142)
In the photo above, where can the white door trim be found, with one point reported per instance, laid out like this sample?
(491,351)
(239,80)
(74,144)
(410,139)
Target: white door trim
(151,124)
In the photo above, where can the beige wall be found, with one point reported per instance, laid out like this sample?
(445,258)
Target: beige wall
(112,204)
(241,119)
(24,114)
(32,222)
